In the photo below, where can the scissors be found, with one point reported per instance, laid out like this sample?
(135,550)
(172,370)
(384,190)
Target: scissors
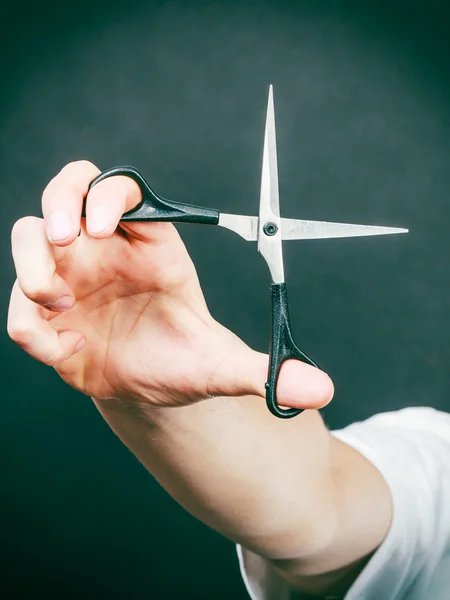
(268,229)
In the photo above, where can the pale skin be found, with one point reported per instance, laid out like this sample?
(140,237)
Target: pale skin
(118,312)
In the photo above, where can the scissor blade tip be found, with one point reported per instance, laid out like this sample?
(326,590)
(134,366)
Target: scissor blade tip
(388,230)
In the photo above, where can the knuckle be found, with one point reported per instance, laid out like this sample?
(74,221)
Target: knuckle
(23,332)
(51,359)
(21,228)
(53,186)
(55,194)
(83,164)
(37,291)
(74,177)
(20,330)
(53,181)
(79,167)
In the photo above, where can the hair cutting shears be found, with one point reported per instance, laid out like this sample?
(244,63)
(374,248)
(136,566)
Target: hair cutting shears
(268,229)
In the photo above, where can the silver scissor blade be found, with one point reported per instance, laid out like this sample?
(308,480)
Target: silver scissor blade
(297,229)
(294,229)
(246,227)
(269,179)
(269,244)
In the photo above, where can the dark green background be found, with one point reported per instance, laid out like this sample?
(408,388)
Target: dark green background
(179,89)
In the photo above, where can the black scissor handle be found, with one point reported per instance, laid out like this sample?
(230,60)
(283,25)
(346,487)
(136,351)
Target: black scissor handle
(155,208)
(282,348)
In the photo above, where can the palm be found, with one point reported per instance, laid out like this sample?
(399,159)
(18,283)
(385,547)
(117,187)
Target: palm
(142,311)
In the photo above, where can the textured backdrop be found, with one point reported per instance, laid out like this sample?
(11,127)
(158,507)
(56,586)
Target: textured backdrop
(179,90)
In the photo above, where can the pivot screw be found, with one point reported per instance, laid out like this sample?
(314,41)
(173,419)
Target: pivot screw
(270,228)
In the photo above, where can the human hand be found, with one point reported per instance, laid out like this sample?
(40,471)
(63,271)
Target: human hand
(118,310)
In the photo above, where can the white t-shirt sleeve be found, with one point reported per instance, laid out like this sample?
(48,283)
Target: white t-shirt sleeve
(411,448)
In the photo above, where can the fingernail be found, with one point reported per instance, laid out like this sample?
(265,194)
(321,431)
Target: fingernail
(63,304)
(80,344)
(60,226)
(98,220)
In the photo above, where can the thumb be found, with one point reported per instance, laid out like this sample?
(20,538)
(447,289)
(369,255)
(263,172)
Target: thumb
(299,385)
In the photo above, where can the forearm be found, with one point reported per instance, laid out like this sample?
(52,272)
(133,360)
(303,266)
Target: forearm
(288,490)
(263,482)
